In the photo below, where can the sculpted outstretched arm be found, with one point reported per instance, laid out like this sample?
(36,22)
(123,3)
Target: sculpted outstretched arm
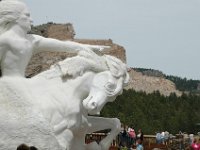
(49,44)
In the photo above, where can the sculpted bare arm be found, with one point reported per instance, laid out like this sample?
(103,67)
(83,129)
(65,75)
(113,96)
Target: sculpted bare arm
(49,44)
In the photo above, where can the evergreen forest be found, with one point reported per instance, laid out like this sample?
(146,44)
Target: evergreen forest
(154,112)
(184,84)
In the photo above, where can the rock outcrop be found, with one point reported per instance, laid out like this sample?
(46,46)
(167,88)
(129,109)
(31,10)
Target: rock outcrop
(44,60)
(150,84)
(57,31)
(138,81)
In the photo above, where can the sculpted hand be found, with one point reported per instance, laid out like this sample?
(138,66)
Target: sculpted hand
(95,48)
(98,47)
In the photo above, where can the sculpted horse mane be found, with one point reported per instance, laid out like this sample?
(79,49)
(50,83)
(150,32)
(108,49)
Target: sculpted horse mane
(87,61)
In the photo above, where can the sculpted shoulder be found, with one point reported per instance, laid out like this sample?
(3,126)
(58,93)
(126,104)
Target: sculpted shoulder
(34,38)
(7,37)
(10,38)
(4,42)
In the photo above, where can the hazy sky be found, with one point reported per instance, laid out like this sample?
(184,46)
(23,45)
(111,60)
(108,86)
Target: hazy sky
(157,34)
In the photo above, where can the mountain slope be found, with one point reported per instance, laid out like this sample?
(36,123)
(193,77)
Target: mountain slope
(146,80)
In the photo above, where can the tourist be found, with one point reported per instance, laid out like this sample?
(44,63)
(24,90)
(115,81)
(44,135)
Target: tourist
(166,137)
(139,145)
(195,145)
(162,137)
(158,138)
(140,135)
(191,138)
(132,136)
(17,47)
(199,143)
(123,136)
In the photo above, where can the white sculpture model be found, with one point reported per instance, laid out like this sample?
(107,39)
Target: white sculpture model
(50,110)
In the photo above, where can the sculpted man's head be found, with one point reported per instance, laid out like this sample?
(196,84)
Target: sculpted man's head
(10,13)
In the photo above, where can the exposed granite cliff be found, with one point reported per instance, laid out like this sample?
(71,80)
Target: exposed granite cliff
(150,84)
(138,81)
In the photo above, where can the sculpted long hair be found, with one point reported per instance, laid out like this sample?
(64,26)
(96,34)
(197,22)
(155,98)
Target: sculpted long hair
(10,11)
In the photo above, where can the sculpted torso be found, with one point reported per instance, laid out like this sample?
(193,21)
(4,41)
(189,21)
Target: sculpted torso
(15,53)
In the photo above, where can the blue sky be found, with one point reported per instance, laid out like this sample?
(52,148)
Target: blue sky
(157,34)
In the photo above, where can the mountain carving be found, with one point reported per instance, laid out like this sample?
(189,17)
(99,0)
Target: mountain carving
(138,81)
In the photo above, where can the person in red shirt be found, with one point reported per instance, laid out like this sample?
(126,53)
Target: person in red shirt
(195,145)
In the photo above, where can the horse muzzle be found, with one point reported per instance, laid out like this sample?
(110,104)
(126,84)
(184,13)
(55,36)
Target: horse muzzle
(89,105)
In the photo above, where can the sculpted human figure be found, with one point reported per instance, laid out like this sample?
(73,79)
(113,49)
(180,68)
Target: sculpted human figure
(50,110)
(17,47)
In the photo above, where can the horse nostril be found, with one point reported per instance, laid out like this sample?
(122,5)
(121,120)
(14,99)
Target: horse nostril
(93,105)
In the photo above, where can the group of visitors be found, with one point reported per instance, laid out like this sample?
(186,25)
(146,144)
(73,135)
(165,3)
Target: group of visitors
(162,137)
(189,141)
(185,141)
(128,139)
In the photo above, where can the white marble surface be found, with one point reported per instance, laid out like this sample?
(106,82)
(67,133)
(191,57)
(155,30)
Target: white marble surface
(50,110)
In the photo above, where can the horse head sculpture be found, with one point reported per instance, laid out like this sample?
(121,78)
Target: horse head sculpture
(111,76)
(106,85)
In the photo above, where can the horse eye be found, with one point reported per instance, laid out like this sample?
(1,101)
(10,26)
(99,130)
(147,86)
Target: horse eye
(110,86)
